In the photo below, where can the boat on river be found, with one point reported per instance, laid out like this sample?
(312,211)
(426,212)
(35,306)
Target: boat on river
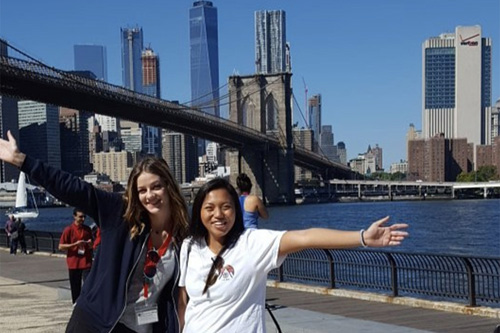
(21,209)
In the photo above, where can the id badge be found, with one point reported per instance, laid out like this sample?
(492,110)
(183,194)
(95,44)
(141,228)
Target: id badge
(81,251)
(146,314)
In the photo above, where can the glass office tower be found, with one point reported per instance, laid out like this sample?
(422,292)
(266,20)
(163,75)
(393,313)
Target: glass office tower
(203,37)
(456,86)
(132,45)
(270,41)
(91,58)
(204,46)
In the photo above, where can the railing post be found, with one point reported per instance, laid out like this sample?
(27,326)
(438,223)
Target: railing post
(471,281)
(280,273)
(331,268)
(52,243)
(36,241)
(394,275)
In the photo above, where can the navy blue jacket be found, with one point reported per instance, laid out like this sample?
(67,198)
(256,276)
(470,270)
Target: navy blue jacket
(103,297)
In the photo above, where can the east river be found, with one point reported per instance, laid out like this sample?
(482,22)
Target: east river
(463,227)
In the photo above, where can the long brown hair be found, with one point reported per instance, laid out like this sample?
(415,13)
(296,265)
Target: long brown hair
(135,214)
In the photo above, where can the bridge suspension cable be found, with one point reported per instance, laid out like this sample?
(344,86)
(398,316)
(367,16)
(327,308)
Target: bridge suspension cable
(209,104)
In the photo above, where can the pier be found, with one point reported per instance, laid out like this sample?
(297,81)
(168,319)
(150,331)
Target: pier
(34,290)
(375,190)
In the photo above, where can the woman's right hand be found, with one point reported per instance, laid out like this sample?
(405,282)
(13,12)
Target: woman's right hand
(9,151)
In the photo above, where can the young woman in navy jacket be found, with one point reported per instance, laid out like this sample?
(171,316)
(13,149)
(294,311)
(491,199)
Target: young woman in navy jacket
(132,286)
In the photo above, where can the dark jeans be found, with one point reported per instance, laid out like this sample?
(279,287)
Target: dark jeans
(13,245)
(76,277)
(22,243)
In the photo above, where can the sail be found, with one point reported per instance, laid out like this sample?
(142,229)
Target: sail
(21,195)
(21,210)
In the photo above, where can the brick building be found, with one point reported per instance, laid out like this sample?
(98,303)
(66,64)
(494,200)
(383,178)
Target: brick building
(489,154)
(438,159)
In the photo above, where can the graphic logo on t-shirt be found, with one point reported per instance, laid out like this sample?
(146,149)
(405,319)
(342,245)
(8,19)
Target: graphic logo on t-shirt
(226,273)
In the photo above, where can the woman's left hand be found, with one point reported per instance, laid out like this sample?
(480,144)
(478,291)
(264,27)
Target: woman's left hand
(378,235)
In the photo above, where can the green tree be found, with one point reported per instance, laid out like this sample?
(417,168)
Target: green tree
(487,173)
(465,177)
(483,174)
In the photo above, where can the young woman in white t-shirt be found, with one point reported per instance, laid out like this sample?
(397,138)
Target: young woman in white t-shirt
(224,267)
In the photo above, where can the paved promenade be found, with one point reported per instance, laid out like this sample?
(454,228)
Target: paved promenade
(30,293)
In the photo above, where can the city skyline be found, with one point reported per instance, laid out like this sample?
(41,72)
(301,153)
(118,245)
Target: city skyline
(363,57)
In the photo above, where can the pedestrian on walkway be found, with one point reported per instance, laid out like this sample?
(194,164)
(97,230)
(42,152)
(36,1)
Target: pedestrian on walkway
(251,205)
(132,286)
(234,261)
(21,228)
(76,241)
(12,234)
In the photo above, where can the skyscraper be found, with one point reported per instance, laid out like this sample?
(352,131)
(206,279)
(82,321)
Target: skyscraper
(270,41)
(151,136)
(314,112)
(39,131)
(132,45)
(180,152)
(456,86)
(342,152)
(326,144)
(204,44)
(150,72)
(74,141)
(91,58)
(139,137)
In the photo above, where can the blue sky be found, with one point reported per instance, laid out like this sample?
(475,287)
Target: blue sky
(363,56)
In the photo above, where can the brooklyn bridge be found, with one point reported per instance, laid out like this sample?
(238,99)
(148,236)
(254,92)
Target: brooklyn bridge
(268,154)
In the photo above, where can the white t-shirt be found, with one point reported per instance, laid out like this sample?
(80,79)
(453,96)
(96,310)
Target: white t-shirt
(236,302)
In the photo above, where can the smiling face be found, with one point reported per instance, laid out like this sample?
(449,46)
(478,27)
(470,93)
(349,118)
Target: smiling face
(153,195)
(218,215)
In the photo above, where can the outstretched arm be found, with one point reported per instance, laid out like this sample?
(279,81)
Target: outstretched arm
(63,185)
(9,151)
(261,208)
(375,236)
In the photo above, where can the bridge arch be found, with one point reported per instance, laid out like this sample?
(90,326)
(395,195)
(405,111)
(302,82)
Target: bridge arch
(271,113)
(248,112)
(264,106)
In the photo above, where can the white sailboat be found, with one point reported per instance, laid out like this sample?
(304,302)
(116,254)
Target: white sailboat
(21,209)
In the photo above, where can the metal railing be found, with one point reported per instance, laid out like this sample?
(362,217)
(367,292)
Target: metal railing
(472,280)
(43,241)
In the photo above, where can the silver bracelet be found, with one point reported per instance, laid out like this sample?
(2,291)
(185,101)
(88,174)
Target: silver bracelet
(362,238)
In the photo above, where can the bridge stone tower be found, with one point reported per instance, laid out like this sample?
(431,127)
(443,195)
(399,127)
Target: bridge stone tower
(263,102)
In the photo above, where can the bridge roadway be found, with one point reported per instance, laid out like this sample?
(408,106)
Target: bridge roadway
(32,300)
(33,81)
